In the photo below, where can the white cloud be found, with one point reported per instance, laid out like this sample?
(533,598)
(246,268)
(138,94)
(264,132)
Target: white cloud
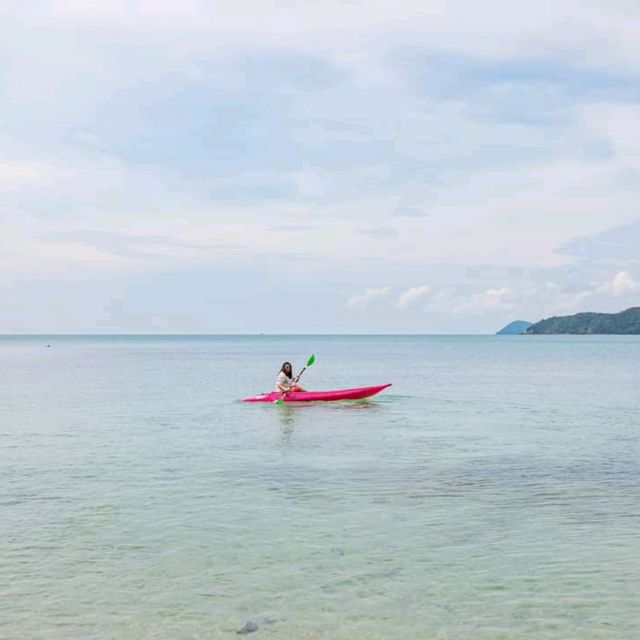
(619,125)
(569,301)
(490,28)
(465,303)
(550,298)
(500,298)
(410,296)
(621,284)
(17,174)
(362,300)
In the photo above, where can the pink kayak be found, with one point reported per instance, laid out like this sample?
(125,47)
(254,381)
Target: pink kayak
(313,396)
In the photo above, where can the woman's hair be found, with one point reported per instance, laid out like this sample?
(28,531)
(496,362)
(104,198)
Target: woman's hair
(290,374)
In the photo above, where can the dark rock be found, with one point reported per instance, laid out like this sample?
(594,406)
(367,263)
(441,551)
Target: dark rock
(249,627)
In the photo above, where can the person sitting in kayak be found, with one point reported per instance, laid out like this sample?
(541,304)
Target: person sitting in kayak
(285,381)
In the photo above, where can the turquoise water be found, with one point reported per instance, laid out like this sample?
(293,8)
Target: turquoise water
(492,492)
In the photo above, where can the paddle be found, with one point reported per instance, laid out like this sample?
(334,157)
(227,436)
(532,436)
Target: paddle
(310,361)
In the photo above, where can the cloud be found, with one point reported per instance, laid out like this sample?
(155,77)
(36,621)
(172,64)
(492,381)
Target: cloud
(614,245)
(619,124)
(552,298)
(490,29)
(380,233)
(621,284)
(364,299)
(494,299)
(564,298)
(292,136)
(292,228)
(334,142)
(407,208)
(16,174)
(130,245)
(411,296)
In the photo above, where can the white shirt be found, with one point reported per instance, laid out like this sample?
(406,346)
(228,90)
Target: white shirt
(283,379)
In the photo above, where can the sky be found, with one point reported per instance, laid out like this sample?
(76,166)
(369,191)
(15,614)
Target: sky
(316,167)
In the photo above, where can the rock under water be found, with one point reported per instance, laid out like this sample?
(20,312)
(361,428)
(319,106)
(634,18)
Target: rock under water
(249,627)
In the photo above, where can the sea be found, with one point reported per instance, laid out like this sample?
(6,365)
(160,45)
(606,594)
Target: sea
(493,492)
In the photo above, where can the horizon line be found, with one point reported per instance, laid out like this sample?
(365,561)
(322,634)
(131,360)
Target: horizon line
(225,334)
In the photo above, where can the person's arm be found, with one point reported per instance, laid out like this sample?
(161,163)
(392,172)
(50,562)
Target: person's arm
(282,384)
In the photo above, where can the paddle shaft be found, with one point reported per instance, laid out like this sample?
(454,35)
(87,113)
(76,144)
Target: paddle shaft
(298,376)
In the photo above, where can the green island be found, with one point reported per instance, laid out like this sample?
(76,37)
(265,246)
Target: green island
(626,322)
(515,328)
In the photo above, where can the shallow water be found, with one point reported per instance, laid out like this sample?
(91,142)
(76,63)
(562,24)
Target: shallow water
(492,492)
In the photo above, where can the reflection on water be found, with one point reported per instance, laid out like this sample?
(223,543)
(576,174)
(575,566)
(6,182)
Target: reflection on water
(287,417)
(290,414)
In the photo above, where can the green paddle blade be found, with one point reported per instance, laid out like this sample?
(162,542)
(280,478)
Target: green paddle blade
(311,360)
(279,401)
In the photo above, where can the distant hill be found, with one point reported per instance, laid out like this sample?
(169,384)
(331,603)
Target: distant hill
(516,327)
(625,322)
